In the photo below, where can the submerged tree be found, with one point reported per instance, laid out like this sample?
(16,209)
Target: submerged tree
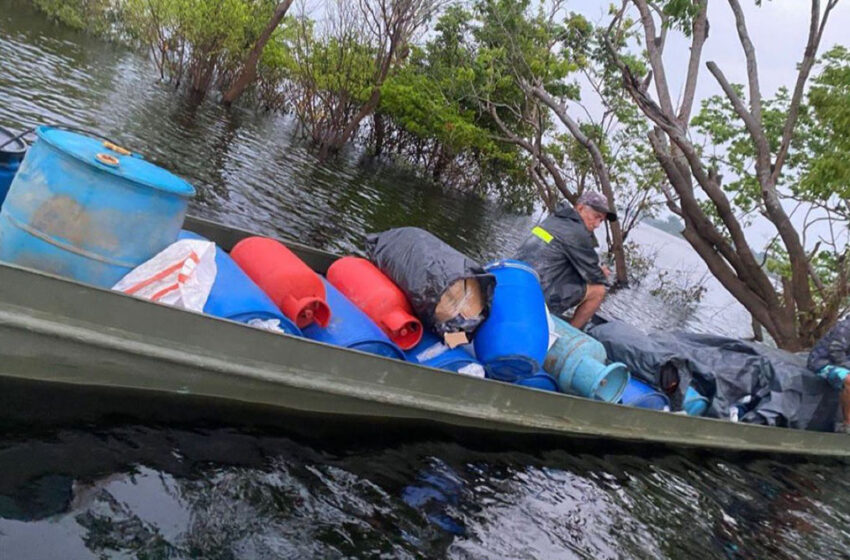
(204,44)
(341,63)
(247,73)
(528,62)
(429,117)
(98,17)
(772,166)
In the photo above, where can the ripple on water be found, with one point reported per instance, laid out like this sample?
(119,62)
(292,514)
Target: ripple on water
(224,494)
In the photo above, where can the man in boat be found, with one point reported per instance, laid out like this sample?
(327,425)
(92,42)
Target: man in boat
(562,249)
(830,358)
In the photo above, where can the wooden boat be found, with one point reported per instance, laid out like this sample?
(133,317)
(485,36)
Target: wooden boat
(69,350)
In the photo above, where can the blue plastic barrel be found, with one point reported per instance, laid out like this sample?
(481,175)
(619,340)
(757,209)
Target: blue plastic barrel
(578,362)
(236,297)
(431,351)
(84,209)
(694,404)
(11,155)
(512,341)
(541,380)
(351,328)
(642,395)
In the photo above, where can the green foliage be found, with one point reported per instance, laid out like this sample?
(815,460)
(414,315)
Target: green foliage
(736,151)
(680,14)
(818,167)
(434,99)
(330,74)
(275,66)
(430,95)
(817,171)
(486,57)
(826,169)
(417,104)
(202,42)
(436,102)
(93,16)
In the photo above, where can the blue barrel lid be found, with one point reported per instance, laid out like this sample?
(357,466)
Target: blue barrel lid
(100,155)
(511,263)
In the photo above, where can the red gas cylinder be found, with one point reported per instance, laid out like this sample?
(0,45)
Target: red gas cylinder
(370,290)
(286,279)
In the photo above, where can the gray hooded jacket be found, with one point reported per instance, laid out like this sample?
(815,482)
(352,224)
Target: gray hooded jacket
(561,250)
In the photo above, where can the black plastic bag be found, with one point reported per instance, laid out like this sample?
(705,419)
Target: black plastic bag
(796,397)
(424,267)
(764,385)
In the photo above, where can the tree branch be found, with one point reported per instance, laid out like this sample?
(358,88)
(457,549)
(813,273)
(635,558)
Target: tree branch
(805,67)
(753,124)
(750,55)
(699,33)
(655,60)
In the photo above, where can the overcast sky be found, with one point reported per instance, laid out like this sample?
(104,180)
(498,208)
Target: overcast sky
(778,30)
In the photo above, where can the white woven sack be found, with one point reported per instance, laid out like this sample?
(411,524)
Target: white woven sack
(181,275)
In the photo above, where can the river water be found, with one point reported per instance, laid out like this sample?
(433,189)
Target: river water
(136,491)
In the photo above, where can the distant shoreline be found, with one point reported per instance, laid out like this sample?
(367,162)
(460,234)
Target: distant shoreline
(671,225)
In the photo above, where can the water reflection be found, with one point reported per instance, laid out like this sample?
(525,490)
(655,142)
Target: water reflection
(224,494)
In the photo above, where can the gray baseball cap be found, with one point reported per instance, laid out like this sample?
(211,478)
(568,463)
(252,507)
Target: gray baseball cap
(598,202)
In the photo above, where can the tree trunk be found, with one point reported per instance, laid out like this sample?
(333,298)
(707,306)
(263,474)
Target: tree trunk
(380,132)
(758,335)
(619,250)
(201,74)
(249,68)
(440,164)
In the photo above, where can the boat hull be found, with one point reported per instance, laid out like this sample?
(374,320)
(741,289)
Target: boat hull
(57,333)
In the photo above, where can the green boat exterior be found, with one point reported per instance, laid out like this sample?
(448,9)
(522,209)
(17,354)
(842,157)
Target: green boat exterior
(86,348)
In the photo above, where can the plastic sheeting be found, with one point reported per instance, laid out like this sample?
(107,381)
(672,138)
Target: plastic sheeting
(756,383)
(424,267)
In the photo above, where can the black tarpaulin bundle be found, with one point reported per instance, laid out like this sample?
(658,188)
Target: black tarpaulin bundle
(766,386)
(448,291)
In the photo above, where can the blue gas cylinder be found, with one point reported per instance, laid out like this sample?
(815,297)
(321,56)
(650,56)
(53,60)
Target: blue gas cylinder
(234,296)
(694,403)
(512,341)
(11,154)
(89,210)
(351,328)
(431,351)
(578,362)
(642,395)
(540,380)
